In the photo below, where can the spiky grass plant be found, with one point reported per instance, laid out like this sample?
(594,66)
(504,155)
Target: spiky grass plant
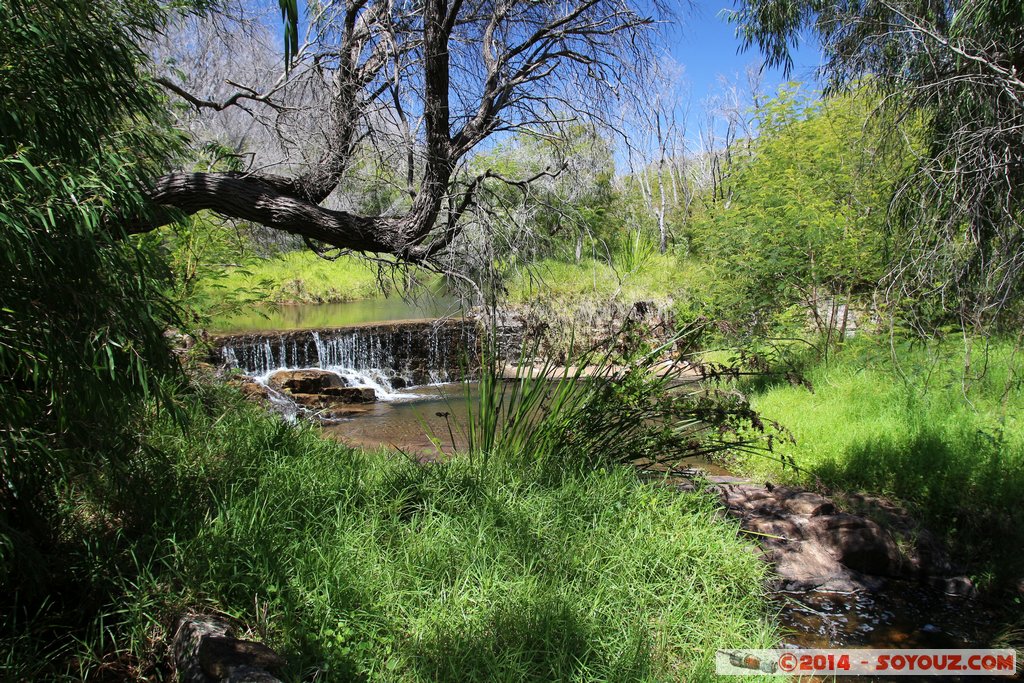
(603,407)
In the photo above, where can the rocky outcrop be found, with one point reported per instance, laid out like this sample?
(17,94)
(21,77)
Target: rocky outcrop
(335,396)
(318,388)
(305,381)
(321,392)
(814,545)
(252,390)
(809,542)
(206,650)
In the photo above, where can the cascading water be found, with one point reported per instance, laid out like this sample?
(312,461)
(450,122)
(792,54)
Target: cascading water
(385,357)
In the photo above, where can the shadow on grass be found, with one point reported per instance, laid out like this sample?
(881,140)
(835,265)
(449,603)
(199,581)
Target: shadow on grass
(965,487)
(541,638)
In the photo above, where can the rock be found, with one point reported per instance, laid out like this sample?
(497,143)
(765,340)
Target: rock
(319,388)
(305,381)
(253,390)
(955,586)
(343,411)
(205,650)
(778,529)
(219,656)
(310,400)
(398,382)
(810,544)
(809,504)
(858,543)
(336,397)
(350,394)
(180,342)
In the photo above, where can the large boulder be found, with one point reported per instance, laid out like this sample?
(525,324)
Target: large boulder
(311,381)
(351,394)
(810,543)
(858,543)
(320,391)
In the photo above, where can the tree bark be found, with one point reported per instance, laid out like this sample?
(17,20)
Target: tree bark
(522,45)
(259,199)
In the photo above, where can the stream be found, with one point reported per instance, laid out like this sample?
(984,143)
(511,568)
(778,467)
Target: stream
(416,366)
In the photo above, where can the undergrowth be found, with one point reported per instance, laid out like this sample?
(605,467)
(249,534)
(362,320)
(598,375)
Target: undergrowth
(922,427)
(366,566)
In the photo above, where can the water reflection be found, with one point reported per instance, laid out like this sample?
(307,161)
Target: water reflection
(428,421)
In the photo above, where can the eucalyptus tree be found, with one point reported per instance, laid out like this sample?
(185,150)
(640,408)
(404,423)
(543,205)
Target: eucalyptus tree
(562,210)
(434,79)
(657,153)
(728,117)
(954,70)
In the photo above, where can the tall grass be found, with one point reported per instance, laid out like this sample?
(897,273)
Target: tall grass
(366,566)
(635,251)
(925,429)
(303,277)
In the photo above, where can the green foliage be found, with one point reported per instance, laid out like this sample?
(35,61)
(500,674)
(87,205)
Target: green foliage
(290,19)
(806,216)
(365,566)
(82,312)
(634,209)
(602,407)
(303,277)
(202,253)
(953,68)
(563,216)
(634,251)
(653,276)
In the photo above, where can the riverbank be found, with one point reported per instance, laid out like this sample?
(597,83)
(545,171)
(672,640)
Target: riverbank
(298,277)
(355,564)
(921,428)
(302,277)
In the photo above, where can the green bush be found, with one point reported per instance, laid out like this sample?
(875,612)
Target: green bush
(82,309)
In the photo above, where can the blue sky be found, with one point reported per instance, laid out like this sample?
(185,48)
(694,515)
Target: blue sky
(706,45)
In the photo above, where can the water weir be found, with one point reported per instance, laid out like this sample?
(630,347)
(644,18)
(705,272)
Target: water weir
(385,356)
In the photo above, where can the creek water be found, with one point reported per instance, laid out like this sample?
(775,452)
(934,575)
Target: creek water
(425,421)
(421,412)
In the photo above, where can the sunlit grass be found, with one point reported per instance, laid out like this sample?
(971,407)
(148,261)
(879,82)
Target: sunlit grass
(658,276)
(949,444)
(303,277)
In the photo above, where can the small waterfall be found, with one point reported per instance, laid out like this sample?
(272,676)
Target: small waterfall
(387,357)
